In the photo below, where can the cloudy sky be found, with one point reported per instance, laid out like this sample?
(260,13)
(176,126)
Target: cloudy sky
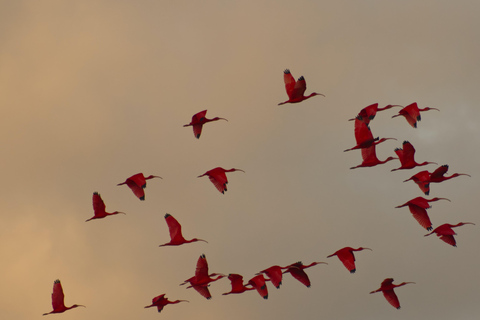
(93,92)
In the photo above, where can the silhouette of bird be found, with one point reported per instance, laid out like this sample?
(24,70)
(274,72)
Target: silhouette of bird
(412,113)
(296,90)
(218,177)
(406,156)
(198,120)
(236,281)
(368,113)
(387,287)
(99,208)
(160,302)
(446,233)
(275,274)
(370,158)
(418,207)
(201,280)
(57,299)
(347,257)
(175,229)
(137,183)
(439,174)
(258,282)
(296,270)
(364,136)
(422,179)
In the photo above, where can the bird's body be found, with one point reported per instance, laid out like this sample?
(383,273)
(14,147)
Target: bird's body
(418,207)
(218,177)
(406,154)
(58,299)
(446,233)
(160,302)
(99,208)
(198,120)
(175,230)
(137,183)
(297,271)
(202,279)
(347,257)
(370,158)
(275,274)
(364,136)
(295,89)
(236,281)
(368,113)
(387,287)
(412,113)
(258,282)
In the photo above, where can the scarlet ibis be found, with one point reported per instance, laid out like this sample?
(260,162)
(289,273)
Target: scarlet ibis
(296,270)
(160,302)
(418,207)
(274,273)
(446,233)
(137,183)
(347,257)
(370,158)
(175,229)
(198,120)
(406,156)
(57,299)
(99,208)
(258,282)
(369,112)
(236,281)
(422,179)
(364,136)
(201,280)
(439,174)
(295,90)
(387,287)
(412,113)
(218,177)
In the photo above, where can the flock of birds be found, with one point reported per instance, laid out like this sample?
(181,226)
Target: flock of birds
(202,279)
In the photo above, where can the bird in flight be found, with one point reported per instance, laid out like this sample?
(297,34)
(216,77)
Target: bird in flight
(387,287)
(236,281)
(201,280)
(422,179)
(370,158)
(364,136)
(58,298)
(446,233)
(347,257)
(418,207)
(258,282)
(439,174)
(368,113)
(274,273)
(218,177)
(296,89)
(137,183)
(175,229)
(99,208)
(198,120)
(406,155)
(160,302)
(297,271)
(412,113)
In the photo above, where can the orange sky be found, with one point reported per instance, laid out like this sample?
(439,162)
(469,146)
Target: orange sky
(94,92)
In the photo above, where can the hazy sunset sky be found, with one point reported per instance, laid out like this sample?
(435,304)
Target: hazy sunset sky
(93,92)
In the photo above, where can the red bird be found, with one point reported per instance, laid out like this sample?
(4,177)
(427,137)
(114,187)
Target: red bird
(406,156)
(274,273)
(364,136)
(412,113)
(296,270)
(236,281)
(346,256)
(296,90)
(258,282)
(418,207)
(446,233)
(439,174)
(219,178)
(137,183)
(368,113)
(370,158)
(198,120)
(202,279)
(160,302)
(175,230)
(387,287)
(99,208)
(57,299)
(422,180)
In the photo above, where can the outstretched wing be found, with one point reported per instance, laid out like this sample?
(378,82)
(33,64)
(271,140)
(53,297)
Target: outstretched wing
(57,296)
(391,298)
(98,204)
(174,228)
(289,83)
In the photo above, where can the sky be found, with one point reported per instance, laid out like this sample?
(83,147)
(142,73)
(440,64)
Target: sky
(93,92)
